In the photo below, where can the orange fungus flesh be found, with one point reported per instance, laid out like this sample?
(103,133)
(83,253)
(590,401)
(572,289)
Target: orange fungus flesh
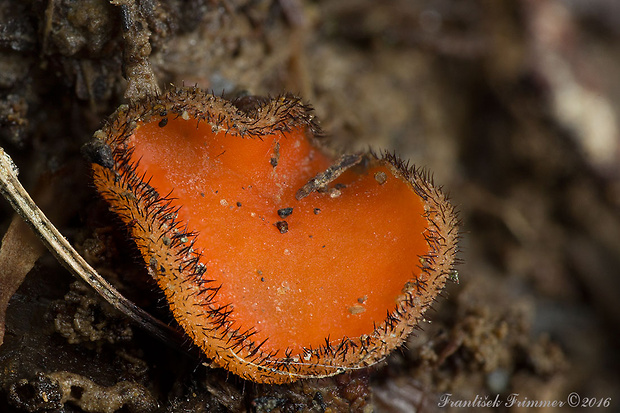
(280,262)
(335,271)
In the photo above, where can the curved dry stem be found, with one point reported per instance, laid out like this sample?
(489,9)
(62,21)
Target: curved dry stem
(20,200)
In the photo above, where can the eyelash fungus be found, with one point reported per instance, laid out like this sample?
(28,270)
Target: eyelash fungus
(279,262)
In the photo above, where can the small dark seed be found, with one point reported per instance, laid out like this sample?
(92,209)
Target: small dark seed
(285,212)
(99,152)
(163,122)
(282,226)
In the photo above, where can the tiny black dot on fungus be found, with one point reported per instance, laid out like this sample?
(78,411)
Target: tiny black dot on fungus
(186,233)
(285,212)
(282,226)
(163,122)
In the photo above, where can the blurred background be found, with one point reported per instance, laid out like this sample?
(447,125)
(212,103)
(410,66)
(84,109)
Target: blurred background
(513,106)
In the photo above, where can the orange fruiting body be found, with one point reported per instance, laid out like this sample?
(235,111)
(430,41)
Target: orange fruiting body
(274,283)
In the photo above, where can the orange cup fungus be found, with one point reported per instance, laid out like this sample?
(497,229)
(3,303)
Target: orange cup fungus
(279,262)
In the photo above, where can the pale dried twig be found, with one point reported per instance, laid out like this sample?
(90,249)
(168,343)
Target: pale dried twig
(20,200)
